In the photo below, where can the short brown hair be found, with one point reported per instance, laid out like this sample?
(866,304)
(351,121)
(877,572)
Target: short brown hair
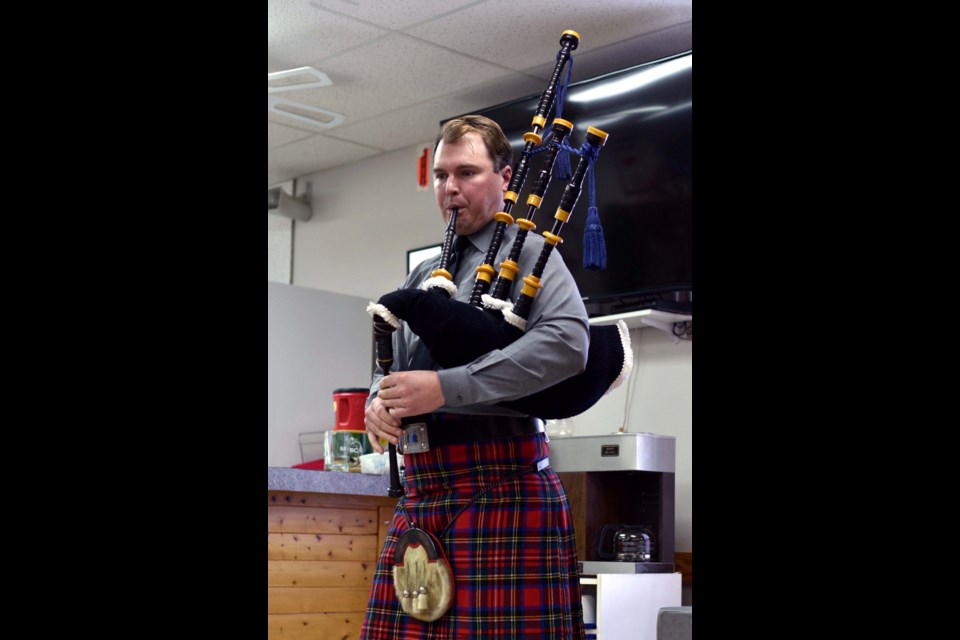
(490,132)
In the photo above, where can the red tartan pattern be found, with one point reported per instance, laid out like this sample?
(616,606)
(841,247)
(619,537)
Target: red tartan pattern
(512,552)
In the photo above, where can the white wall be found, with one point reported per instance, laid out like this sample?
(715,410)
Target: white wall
(365,217)
(279,248)
(316,342)
(367,214)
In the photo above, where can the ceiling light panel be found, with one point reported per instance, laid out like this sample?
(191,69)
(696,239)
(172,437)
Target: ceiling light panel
(299,78)
(305,113)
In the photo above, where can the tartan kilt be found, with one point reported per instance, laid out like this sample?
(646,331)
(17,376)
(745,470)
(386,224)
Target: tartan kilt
(512,552)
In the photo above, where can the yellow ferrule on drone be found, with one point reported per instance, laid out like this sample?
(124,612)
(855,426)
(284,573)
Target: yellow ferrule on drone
(552,238)
(531,284)
(561,215)
(502,216)
(442,273)
(525,224)
(530,136)
(511,196)
(485,272)
(603,135)
(534,200)
(538,121)
(508,269)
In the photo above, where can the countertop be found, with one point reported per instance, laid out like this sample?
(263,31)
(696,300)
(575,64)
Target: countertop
(342,482)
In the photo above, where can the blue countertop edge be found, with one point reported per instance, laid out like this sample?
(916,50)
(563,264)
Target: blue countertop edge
(289,479)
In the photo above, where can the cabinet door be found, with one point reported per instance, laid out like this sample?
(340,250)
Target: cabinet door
(628,604)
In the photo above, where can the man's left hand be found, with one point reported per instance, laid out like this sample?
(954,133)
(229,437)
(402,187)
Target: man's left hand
(411,393)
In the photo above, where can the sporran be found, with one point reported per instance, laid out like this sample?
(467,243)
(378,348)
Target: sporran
(422,577)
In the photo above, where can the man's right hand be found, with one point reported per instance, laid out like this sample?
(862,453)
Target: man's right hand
(380,424)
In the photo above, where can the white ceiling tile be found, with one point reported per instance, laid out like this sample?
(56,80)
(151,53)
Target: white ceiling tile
(289,20)
(398,128)
(392,73)
(299,34)
(312,154)
(279,135)
(499,90)
(597,23)
(393,15)
(419,122)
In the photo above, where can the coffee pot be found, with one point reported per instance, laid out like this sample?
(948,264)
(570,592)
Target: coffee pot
(625,543)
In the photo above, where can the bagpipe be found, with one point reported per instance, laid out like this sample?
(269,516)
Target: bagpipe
(457,333)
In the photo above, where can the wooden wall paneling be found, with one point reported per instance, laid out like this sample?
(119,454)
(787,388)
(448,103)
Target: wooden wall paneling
(321,546)
(310,573)
(330,500)
(315,626)
(283,519)
(316,599)
(384,520)
(321,553)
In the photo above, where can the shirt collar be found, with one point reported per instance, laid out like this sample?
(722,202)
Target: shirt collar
(481,239)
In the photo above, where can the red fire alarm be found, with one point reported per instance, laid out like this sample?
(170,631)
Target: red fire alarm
(422,179)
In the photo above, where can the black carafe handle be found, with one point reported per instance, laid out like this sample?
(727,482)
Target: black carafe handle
(602,553)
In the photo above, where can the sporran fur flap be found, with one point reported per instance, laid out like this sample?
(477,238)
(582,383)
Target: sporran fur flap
(422,578)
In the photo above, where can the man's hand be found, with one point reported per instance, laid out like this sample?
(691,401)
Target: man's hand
(380,424)
(402,394)
(410,393)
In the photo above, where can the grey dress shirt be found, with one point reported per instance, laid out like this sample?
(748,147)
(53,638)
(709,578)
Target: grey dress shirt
(553,347)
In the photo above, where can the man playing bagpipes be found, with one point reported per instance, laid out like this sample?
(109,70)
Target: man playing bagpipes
(482,541)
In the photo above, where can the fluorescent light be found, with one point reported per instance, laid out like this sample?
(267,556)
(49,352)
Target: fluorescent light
(298,111)
(312,78)
(632,81)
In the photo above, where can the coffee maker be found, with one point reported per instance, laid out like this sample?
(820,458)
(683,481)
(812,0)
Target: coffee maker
(621,492)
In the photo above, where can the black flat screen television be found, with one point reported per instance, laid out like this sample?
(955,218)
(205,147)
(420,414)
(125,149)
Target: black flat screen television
(644,183)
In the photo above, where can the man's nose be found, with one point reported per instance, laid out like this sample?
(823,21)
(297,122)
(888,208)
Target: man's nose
(451,185)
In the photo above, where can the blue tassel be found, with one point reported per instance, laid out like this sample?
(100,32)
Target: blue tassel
(561,167)
(594,248)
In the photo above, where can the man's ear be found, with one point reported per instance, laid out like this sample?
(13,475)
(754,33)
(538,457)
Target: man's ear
(507,173)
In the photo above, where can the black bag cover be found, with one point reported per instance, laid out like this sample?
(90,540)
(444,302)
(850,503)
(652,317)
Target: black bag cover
(456,333)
